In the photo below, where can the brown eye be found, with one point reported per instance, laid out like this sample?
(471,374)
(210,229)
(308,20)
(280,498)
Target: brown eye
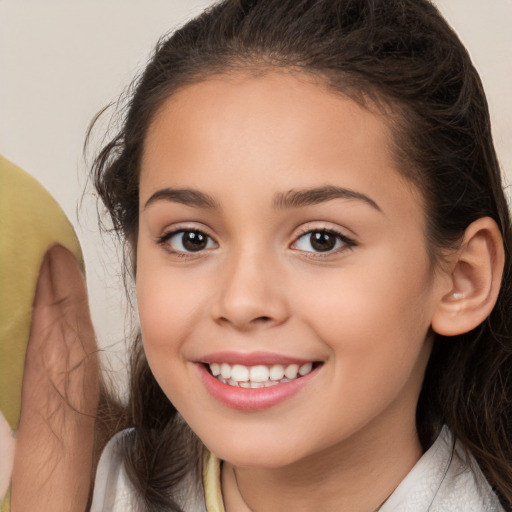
(321,241)
(194,241)
(189,241)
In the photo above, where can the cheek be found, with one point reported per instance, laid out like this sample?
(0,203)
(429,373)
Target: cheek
(165,324)
(372,313)
(375,327)
(164,310)
(172,306)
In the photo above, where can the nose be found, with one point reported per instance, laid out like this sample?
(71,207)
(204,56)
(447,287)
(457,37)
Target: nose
(251,293)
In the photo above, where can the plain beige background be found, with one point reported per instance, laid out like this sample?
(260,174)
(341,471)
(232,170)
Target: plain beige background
(61,61)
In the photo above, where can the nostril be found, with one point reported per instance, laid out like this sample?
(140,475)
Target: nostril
(262,319)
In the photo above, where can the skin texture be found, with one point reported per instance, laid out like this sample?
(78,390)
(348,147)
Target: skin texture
(54,442)
(364,310)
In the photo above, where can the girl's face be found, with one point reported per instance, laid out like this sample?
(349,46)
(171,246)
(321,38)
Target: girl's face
(277,242)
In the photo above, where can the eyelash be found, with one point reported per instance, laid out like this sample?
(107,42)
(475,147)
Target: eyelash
(348,243)
(164,241)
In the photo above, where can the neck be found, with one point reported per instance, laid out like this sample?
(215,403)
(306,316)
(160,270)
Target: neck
(357,477)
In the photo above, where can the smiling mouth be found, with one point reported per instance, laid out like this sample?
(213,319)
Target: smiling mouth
(259,376)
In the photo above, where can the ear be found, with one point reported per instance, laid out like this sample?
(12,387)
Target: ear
(475,275)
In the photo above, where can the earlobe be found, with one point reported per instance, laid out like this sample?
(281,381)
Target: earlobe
(475,278)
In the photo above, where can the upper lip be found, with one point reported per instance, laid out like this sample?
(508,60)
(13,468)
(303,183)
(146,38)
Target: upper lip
(252,358)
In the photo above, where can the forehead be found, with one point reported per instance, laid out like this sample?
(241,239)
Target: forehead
(286,128)
(268,97)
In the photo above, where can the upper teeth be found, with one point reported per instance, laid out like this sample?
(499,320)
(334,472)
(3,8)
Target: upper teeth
(258,376)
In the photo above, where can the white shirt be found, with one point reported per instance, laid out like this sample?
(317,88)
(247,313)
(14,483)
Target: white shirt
(443,480)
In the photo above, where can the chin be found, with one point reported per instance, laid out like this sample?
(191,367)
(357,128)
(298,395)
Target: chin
(259,461)
(243,454)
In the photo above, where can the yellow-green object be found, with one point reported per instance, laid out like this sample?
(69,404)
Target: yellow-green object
(30,222)
(211,483)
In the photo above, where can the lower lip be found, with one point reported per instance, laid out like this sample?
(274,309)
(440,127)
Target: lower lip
(252,399)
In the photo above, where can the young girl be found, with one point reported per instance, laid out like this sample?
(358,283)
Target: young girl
(320,244)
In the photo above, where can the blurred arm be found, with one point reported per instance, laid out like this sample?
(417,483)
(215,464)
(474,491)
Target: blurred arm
(54,444)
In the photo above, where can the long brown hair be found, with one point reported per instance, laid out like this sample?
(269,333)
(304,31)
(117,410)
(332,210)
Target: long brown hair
(402,54)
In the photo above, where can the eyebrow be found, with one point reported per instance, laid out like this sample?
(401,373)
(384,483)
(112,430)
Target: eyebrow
(312,196)
(291,199)
(186,196)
